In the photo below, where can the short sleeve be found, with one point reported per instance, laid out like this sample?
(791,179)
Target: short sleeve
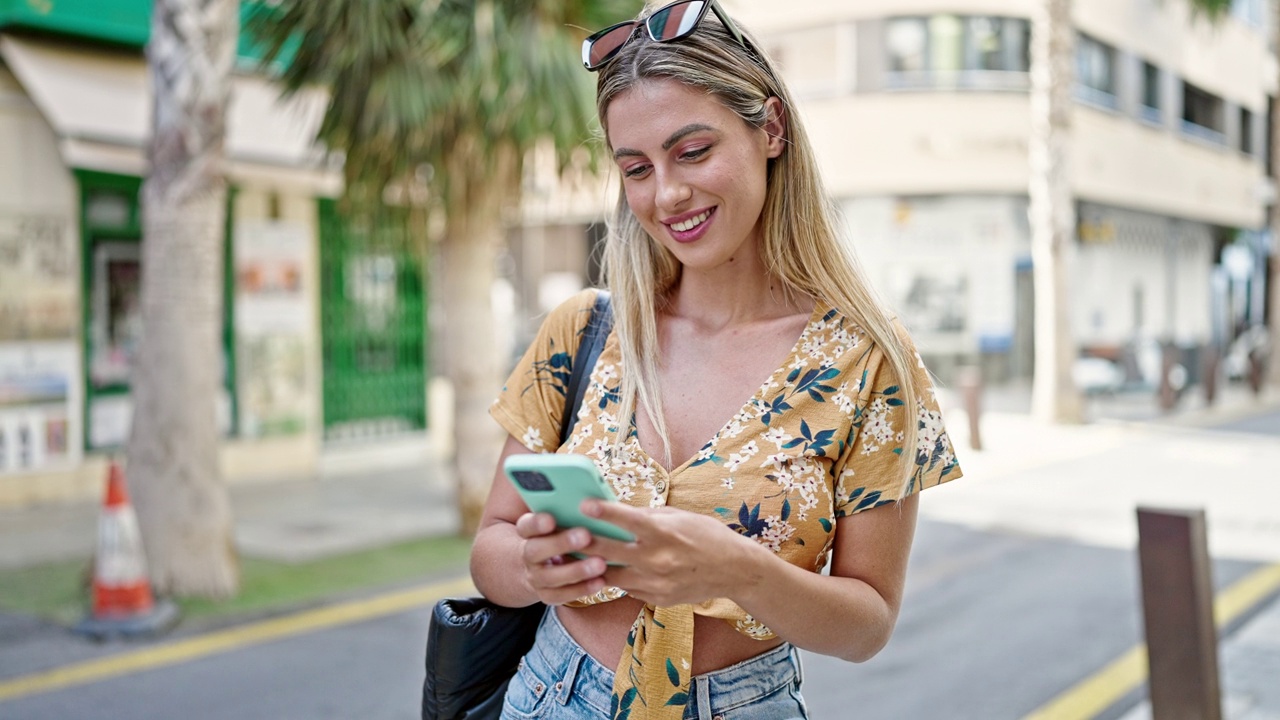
(870,472)
(532,401)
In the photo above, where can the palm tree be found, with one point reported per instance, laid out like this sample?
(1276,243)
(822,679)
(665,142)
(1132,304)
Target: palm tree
(1055,397)
(1273,279)
(466,88)
(172,452)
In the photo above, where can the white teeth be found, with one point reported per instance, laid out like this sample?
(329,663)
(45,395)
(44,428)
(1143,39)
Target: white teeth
(691,223)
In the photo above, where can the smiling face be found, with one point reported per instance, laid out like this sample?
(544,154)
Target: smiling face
(693,171)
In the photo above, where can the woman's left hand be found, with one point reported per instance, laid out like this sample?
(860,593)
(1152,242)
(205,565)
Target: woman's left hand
(677,557)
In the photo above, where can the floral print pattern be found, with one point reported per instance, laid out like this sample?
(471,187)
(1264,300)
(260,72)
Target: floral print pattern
(820,440)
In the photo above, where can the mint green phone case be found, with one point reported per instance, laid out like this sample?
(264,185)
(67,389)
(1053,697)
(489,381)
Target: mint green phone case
(557,484)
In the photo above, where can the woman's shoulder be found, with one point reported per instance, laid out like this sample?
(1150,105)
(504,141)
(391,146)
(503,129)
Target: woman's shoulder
(572,314)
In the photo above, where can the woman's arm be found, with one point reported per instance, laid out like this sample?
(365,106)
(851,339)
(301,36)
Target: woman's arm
(681,557)
(518,557)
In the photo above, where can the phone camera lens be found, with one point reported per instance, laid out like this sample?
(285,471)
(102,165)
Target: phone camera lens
(532,480)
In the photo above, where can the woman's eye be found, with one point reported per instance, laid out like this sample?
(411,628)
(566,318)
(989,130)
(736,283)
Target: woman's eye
(635,171)
(695,153)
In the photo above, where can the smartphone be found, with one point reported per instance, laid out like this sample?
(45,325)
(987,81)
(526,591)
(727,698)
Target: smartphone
(557,484)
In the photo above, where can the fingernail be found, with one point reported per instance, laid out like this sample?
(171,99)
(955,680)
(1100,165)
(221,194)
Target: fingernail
(581,538)
(591,507)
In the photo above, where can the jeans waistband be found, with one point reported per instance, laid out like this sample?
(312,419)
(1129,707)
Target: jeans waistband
(724,689)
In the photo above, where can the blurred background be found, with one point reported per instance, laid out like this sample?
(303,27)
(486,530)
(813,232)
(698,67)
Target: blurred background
(346,316)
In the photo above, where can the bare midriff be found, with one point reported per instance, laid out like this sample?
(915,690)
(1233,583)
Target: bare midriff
(602,631)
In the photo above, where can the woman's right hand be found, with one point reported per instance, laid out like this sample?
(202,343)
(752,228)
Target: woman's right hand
(554,576)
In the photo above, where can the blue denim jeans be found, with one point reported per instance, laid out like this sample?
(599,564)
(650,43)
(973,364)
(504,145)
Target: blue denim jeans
(558,680)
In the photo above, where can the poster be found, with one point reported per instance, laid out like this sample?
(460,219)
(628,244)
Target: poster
(38,430)
(274,320)
(37,278)
(115,313)
(930,299)
(115,325)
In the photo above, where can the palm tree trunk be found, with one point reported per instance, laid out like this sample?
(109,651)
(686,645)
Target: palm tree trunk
(1273,280)
(473,233)
(1054,396)
(182,504)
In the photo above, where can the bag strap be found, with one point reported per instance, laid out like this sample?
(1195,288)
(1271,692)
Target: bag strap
(589,348)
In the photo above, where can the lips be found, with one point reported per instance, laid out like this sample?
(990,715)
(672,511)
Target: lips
(691,227)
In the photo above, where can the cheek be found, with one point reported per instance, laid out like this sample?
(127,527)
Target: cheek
(640,202)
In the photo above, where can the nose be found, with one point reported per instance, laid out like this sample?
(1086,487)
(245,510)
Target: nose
(672,191)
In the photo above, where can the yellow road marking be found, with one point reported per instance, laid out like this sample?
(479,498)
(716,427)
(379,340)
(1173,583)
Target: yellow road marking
(232,639)
(1105,687)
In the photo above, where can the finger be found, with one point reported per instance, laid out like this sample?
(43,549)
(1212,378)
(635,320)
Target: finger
(531,525)
(631,519)
(554,577)
(569,593)
(542,548)
(625,578)
(615,551)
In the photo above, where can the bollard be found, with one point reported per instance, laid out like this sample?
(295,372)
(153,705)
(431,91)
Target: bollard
(1210,373)
(1256,366)
(1177,612)
(1167,394)
(970,381)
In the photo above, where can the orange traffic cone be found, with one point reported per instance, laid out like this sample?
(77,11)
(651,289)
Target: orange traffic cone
(122,600)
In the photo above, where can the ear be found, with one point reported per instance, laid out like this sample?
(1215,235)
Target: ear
(775,126)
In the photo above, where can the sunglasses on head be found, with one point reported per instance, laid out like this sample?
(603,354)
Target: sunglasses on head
(667,23)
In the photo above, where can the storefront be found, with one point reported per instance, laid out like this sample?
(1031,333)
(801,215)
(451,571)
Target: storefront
(314,343)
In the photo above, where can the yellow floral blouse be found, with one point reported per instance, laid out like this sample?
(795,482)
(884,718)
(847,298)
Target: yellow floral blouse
(820,440)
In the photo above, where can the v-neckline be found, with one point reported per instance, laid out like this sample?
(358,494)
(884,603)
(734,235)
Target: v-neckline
(819,310)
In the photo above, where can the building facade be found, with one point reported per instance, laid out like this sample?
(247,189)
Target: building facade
(324,341)
(920,113)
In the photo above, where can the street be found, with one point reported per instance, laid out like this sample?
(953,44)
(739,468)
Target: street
(1012,597)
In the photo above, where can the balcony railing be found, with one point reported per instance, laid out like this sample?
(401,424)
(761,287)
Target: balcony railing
(1096,97)
(1200,132)
(997,80)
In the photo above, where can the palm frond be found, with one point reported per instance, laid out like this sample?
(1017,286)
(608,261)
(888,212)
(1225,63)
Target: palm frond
(413,81)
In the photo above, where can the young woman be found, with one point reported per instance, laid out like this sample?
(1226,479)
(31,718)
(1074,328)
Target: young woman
(755,409)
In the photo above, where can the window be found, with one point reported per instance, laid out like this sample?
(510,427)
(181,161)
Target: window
(1149,107)
(1247,144)
(1251,12)
(908,42)
(1000,44)
(1096,72)
(953,51)
(1202,114)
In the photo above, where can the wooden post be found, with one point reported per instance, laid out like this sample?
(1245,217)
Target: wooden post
(970,382)
(1177,609)
(1166,393)
(1211,362)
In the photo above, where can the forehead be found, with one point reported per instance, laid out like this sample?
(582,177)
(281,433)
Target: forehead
(648,112)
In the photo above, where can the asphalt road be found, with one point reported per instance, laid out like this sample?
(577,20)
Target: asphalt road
(993,626)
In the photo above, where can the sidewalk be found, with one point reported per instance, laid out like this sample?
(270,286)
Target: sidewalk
(290,521)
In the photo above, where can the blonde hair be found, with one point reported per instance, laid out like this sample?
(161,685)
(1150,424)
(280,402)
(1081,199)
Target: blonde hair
(800,244)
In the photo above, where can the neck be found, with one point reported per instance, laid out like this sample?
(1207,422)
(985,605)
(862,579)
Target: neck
(735,293)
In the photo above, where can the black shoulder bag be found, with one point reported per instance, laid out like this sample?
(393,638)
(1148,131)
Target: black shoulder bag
(473,645)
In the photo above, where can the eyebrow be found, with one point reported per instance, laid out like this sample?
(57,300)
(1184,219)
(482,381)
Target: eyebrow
(666,145)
